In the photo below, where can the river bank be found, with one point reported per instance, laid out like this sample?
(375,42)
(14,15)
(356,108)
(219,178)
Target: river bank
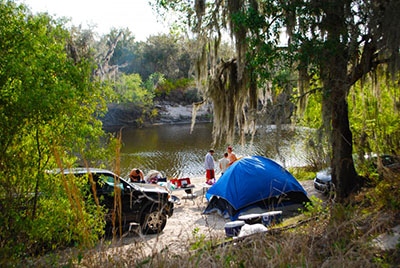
(176,113)
(119,117)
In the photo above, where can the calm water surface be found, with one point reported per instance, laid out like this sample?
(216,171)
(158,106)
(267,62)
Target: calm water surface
(173,151)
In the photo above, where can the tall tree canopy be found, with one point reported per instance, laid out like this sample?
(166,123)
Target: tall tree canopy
(336,41)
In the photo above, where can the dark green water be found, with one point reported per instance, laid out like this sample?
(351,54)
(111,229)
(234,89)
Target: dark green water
(173,151)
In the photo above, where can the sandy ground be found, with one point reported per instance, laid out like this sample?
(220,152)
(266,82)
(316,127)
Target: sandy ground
(187,223)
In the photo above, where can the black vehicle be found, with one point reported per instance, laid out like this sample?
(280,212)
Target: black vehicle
(390,162)
(145,204)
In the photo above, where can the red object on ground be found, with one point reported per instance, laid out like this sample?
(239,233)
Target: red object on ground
(176,182)
(185,182)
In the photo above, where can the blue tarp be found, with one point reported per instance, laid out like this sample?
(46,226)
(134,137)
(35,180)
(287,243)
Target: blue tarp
(253,180)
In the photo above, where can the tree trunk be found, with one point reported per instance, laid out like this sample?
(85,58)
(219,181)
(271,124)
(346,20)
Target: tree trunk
(336,88)
(344,175)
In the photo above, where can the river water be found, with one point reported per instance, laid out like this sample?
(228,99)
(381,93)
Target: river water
(176,153)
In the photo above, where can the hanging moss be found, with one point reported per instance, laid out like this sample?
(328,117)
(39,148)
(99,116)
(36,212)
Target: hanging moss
(225,83)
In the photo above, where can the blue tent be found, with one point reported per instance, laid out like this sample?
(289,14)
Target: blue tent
(253,181)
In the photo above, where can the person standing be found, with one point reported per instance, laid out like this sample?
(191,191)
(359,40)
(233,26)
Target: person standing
(231,155)
(210,166)
(224,163)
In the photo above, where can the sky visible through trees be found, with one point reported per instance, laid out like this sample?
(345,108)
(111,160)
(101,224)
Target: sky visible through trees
(137,15)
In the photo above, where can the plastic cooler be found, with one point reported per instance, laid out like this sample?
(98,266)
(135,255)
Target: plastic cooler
(183,182)
(272,217)
(176,182)
(233,228)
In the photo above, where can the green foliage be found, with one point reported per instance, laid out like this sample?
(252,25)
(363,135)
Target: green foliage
(385,193)
(154,81)
(129,89)
(49,110)
(165,88)
(179,90)
(165,54)
(301,173)
(315,207)
(374,117)
(199,239)
(73,224)
(136,96)
(311,117)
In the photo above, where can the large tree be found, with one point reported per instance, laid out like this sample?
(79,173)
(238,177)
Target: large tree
(337,41)
(345,40)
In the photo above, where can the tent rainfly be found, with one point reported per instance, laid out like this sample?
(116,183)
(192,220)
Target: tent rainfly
(253,181)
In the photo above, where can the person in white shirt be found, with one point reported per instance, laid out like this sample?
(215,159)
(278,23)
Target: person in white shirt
(209,166)
(224,163)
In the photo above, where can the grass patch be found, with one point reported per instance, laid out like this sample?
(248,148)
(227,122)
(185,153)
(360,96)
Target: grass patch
(302,173)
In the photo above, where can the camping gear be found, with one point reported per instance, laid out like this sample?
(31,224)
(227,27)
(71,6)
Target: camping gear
(251,218)
(271,218)
(182,183)
(176,183)
(233,228)
(253,182)
(251,229)
(185,182)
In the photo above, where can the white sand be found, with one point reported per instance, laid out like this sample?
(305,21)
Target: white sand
(188,222)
